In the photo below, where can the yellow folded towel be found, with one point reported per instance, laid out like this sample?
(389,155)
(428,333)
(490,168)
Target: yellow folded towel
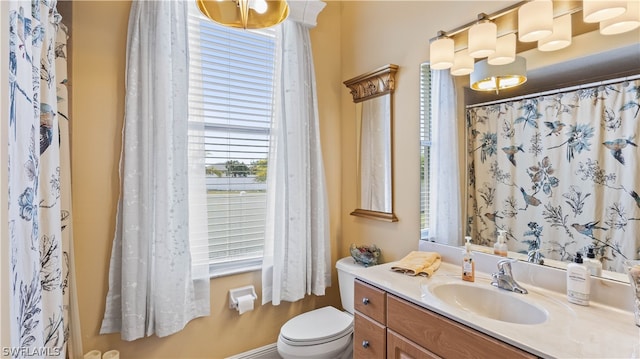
(419,263)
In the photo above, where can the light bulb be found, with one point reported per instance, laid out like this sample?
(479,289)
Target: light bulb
(535,20)
(259,6)
(561,36)
(628,21)
(596,11)
(482,39)
(441,53)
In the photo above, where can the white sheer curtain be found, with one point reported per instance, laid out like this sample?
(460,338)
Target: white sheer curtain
(445,225)
(151,286)
(297,258)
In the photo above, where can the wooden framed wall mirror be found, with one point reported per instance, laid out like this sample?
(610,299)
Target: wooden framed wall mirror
(372,94)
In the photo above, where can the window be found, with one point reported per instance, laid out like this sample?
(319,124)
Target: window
(231,94)
(425,147)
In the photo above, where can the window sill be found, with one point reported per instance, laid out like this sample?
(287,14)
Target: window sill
(227,269)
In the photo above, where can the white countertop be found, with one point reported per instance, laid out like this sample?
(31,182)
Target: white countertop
(571,331)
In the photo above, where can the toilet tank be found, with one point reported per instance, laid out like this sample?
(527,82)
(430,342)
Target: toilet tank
(346,274)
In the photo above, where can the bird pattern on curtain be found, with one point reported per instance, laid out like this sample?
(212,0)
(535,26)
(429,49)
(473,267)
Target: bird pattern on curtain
(39,253)
(558,173)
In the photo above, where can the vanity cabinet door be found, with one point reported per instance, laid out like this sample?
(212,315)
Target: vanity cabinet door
(369,339)
(400,348)
(370,301)
(443,336)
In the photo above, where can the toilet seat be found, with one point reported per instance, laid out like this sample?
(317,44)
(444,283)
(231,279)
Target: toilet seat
(317,327)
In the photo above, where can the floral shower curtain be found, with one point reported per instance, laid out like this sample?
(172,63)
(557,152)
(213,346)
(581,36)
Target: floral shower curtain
(559,173)
(39,206)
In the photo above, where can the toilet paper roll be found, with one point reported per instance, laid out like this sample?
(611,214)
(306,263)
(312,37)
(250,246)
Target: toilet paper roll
(94,354)
(245,303)
(111,354)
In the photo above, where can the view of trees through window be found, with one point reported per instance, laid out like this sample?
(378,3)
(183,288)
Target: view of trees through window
(231,95)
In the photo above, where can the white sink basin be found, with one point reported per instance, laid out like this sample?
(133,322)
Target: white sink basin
(489,302)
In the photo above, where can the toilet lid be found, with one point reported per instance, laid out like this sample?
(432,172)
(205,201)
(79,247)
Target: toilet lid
(317,325)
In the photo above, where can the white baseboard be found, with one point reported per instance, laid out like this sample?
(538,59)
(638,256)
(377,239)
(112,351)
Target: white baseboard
(269,351)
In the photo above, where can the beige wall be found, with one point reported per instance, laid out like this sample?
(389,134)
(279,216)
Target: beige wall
(97,75)
(377,33)
(352,38)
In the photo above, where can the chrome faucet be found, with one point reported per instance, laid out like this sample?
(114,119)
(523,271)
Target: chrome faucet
(503,279)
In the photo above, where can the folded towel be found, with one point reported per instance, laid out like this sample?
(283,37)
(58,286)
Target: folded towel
(419,263)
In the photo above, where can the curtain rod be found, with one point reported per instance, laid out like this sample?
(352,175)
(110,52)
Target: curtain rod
(557,91)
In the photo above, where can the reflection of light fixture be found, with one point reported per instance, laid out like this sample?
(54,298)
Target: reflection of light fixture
(441,52)
(245,14)
(561,36)
(601,10)
(482,37)
(505,50)
(488,77)
(535,20)
(462,63)
(628,21)
(532,20)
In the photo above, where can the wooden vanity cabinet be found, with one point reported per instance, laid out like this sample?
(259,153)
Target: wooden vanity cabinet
(370,317)
(387,326)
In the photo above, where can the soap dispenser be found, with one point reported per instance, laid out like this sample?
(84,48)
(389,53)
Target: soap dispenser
(468,265)
(594,265)
(500,248)
(578,281)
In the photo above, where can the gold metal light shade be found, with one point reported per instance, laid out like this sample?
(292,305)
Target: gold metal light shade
(245,14)
(488,77)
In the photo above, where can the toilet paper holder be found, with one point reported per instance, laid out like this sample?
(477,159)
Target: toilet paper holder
(236,293)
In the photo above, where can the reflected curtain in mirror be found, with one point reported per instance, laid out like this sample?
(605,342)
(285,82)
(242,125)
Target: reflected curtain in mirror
(374,158)
(558,173)
(372,94)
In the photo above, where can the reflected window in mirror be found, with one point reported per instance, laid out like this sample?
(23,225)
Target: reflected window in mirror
(425,147)
(440,209)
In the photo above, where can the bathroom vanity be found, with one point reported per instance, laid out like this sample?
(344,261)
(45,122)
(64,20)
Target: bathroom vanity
(387,326)
(400,316)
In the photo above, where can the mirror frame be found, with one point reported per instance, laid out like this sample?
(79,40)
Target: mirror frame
(378,82)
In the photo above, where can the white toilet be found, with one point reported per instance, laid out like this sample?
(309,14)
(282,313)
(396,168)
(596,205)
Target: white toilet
(325,332)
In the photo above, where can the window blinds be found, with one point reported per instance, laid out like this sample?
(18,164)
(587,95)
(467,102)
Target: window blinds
(231,94)
(425,147)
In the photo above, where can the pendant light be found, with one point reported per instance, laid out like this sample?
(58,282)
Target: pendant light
(441,52)
(505,50)
(535,20)
(628,21)
(486,77)
(482,37)
(561,36)
(462,63)
(245,14)
(601,10)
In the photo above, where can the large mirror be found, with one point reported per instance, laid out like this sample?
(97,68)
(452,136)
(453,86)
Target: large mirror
(372,94)
(614,230)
